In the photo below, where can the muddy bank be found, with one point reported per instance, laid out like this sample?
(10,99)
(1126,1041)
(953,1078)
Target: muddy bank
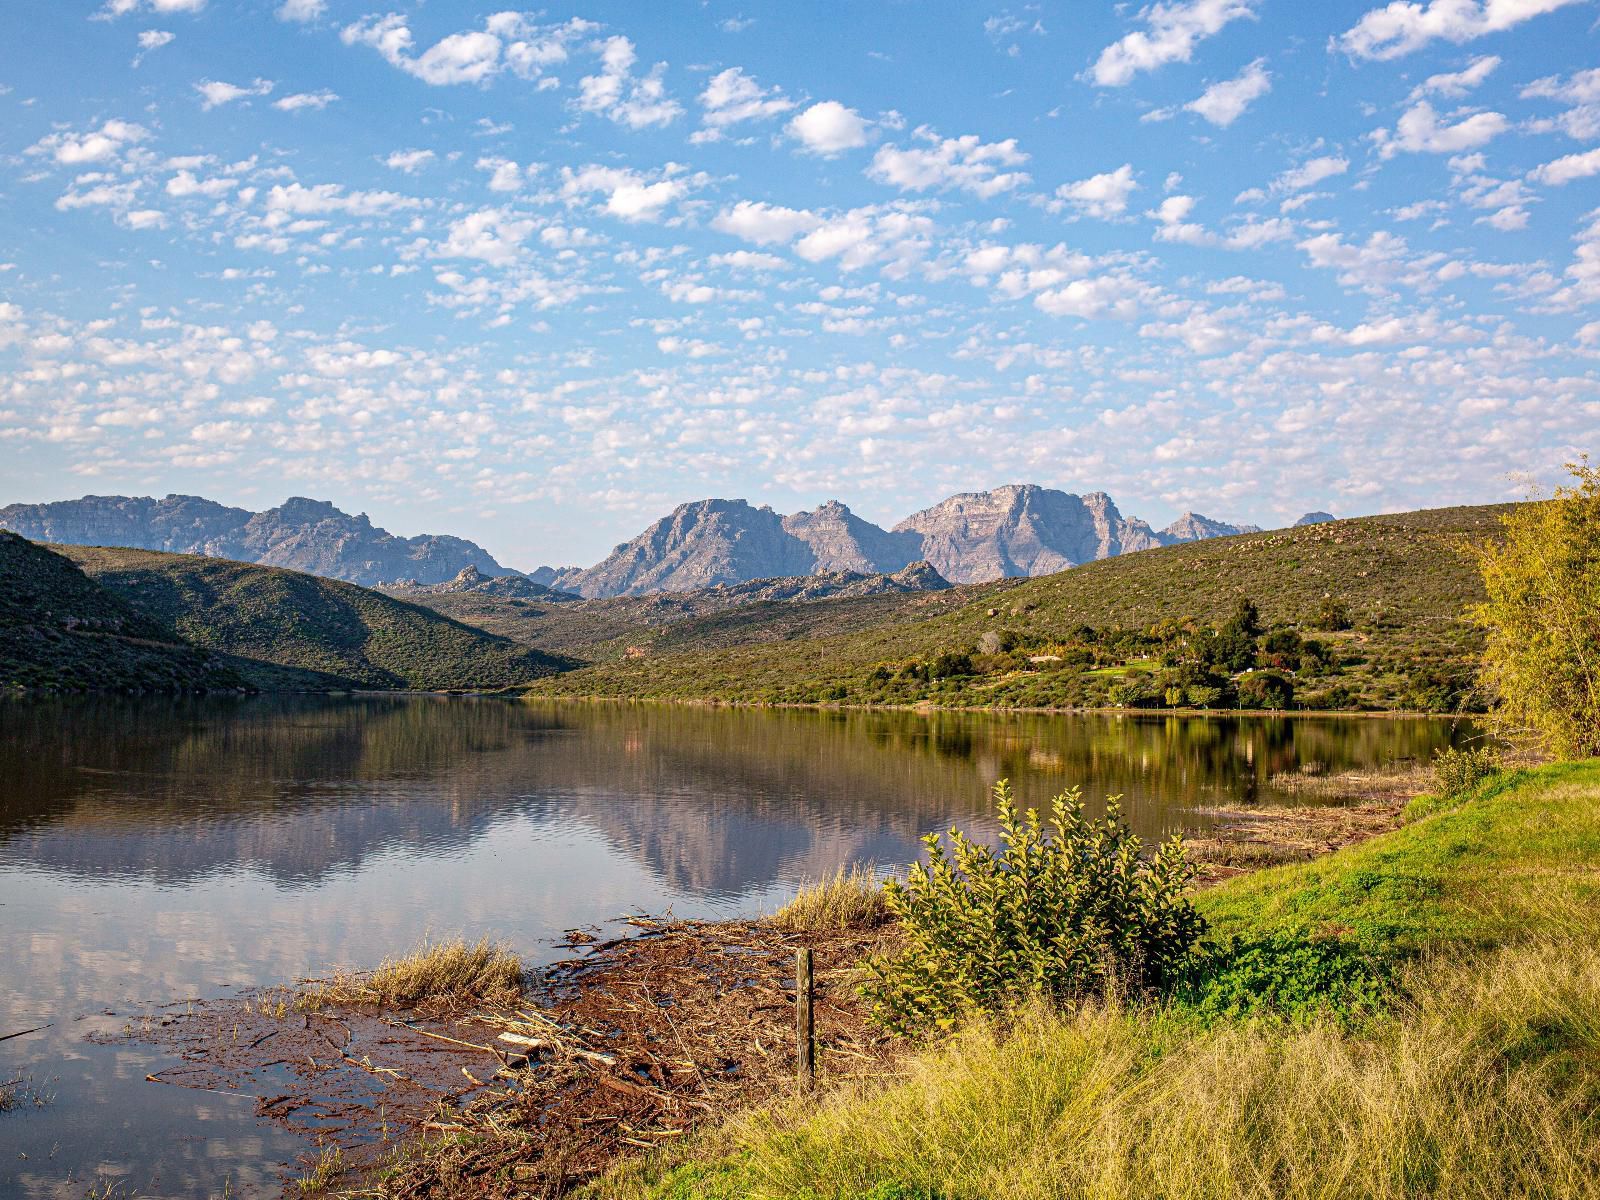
(628,1043)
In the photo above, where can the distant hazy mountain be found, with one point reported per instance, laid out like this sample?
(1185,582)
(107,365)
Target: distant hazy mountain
(303,535)
(1314,518)
(1020,529)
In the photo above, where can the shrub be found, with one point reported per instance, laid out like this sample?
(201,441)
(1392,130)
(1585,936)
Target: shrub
(1456,772)
(1332,615)
(1063,912)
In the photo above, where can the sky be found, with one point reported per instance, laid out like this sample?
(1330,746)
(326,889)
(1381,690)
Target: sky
(535,277)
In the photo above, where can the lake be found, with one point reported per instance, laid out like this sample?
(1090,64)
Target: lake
(153,851)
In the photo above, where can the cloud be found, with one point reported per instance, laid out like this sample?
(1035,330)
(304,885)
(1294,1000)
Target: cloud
(614,92)
(1115,296)
(507,41)
(214,93)
(301,10)
(1582,87)
(1103,196)
(765,224)
(1173,29)
(1421,130)
(1223,103)
(409,161)
(629,195)
(504,175)
(332,198)
(731,96)
(492,235)
(1403,27)
(304,100)
(97,146)
(963,162)
(1309,173)
(151,40)
(828,128)
(119,8)
(1567,168)
(1457,84)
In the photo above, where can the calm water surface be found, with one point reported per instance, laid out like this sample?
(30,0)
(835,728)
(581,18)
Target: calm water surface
(155,850)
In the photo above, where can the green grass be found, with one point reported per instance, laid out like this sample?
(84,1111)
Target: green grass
(1480,1076)
(286,629)
(1403,578)
(60,631)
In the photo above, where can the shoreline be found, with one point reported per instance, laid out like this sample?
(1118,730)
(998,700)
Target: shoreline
(928,709)
(624,1044)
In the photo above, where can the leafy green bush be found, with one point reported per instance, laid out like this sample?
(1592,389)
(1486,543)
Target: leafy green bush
(1061,911)
(1456,771)
(1284,976)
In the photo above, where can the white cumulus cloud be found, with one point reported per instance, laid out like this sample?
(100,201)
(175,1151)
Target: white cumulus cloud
(1104,195)
(964,162)
(1404,26)
(1224,103)
(214,92)
(615,92)
(828,128)
(1170,35)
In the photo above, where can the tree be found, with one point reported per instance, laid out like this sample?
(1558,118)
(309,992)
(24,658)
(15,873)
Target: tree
(1541,663)
(1246,619)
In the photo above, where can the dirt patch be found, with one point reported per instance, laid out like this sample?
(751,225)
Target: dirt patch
(627,1044)
(1341,809)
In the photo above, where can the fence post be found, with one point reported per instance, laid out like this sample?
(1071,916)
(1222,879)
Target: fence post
(805,1030)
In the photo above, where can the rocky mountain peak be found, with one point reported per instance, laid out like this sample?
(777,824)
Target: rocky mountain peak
(1315,518)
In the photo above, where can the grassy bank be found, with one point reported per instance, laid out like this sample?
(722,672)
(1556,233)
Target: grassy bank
(1479,1076)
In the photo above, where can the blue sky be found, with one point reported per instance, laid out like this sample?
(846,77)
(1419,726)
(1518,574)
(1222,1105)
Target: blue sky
(534,277)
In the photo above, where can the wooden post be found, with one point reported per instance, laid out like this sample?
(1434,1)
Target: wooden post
(805,1031)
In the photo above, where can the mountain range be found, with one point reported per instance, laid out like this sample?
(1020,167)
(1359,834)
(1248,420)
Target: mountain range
(1015,530)
(973,537)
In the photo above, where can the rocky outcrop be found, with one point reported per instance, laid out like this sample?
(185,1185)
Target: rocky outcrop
(697,546)
(301,534)
(470,579)
(841,541)
(1023,529)
(1314,518)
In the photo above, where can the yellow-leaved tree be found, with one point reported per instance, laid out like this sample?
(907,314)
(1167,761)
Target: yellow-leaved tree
(1541,664)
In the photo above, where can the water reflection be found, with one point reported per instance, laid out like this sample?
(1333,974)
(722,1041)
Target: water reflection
(153,849)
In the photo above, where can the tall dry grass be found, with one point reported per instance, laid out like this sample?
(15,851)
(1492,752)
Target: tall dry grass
(850,898)
(1484,1087)
(452,969)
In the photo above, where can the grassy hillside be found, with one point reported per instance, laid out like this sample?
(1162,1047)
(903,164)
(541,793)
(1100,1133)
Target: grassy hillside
(278,621)
(1402,579)
(61,631)
(1476,1077)
(597,631)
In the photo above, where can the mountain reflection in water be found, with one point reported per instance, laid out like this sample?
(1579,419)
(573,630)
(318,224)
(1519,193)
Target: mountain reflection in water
(157,849)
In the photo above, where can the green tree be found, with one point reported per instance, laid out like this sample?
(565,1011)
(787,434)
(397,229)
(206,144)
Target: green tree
(1541,663)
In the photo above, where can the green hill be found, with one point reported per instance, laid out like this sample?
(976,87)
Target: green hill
(61,631)
(1402,579)
(291,630)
